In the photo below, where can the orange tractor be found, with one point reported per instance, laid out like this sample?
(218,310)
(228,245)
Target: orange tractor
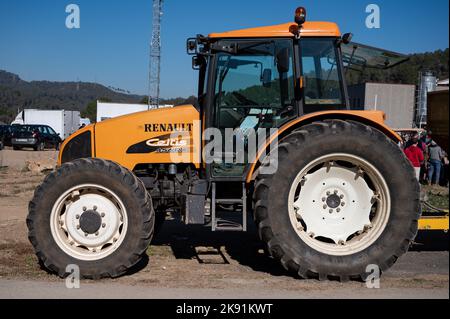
(341,195)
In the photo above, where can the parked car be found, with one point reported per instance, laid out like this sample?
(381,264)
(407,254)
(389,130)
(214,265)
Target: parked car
(37,137)
(2,143)
(6,132)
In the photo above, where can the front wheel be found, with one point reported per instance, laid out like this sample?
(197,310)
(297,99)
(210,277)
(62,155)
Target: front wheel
(91,213)
(350,200)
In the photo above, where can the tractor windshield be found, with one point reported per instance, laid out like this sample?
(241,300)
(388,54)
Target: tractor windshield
(321,74)
(255,87)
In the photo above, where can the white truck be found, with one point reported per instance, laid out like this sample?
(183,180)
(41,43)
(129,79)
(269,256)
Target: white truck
(63,122)
(106,110)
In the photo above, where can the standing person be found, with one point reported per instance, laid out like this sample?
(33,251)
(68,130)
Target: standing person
(436,156)
(415,156)
(423,139)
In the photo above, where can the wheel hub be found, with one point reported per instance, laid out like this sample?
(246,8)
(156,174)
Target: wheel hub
(339,204)
(90,222)
(333,201)
(334,204)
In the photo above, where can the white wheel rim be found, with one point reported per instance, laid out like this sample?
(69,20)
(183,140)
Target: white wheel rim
(89,222)
(339,204)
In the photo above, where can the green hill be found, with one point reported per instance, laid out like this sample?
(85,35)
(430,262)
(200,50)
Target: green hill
(16,93)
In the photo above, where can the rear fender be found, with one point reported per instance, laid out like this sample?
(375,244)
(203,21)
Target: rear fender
(374,119)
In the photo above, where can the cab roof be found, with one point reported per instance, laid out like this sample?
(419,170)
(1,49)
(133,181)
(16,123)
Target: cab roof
(309,29)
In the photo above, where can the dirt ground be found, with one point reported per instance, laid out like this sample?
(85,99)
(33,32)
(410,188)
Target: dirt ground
(192,258)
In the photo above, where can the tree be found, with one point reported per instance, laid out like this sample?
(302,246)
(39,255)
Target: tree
(91,109)
(144,100)
(174,101)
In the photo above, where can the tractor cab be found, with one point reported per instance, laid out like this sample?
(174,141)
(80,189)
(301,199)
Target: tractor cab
(274,71)
(267,77)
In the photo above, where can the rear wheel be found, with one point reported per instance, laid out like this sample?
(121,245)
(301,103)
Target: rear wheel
(350,200)
(92,213)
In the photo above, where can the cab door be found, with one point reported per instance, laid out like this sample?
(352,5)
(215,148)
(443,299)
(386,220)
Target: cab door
(253,90)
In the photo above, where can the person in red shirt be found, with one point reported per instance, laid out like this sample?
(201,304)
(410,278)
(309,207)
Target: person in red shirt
(415,155)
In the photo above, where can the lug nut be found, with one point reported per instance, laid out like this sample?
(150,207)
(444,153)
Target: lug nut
(331,211)
(325,206)
(343,204)
(335,191)
(86,234)
(84,209)
(338,210)
(77,216)
(341,197)
(103,225)
(102,214)
(78,226)
(328,193)
(95,207)
(323,199)
(96,234)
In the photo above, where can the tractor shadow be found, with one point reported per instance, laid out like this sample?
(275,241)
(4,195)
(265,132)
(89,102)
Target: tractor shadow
(245,248)
(207,247)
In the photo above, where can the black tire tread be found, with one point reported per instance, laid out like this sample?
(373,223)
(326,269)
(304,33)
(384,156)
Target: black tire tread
(128,179)
(262,184)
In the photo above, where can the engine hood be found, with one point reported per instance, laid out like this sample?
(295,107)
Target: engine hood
(151,137)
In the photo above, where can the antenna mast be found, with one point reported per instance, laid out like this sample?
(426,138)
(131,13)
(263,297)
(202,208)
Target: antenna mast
(155,56)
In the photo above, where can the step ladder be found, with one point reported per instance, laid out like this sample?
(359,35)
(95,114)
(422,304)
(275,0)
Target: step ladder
(221,224)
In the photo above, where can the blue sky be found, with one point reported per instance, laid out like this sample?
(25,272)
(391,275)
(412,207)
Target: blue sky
(112,45)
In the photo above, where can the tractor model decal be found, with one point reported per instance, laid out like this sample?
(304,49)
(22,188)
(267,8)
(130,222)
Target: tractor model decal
(168,143)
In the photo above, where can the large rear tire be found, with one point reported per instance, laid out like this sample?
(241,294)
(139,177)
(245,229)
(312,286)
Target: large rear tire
(349,199)
(91,213)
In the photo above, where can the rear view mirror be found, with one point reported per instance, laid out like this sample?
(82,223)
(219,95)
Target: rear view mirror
(283,60)
(267,78)
(191,46)
(197,62)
